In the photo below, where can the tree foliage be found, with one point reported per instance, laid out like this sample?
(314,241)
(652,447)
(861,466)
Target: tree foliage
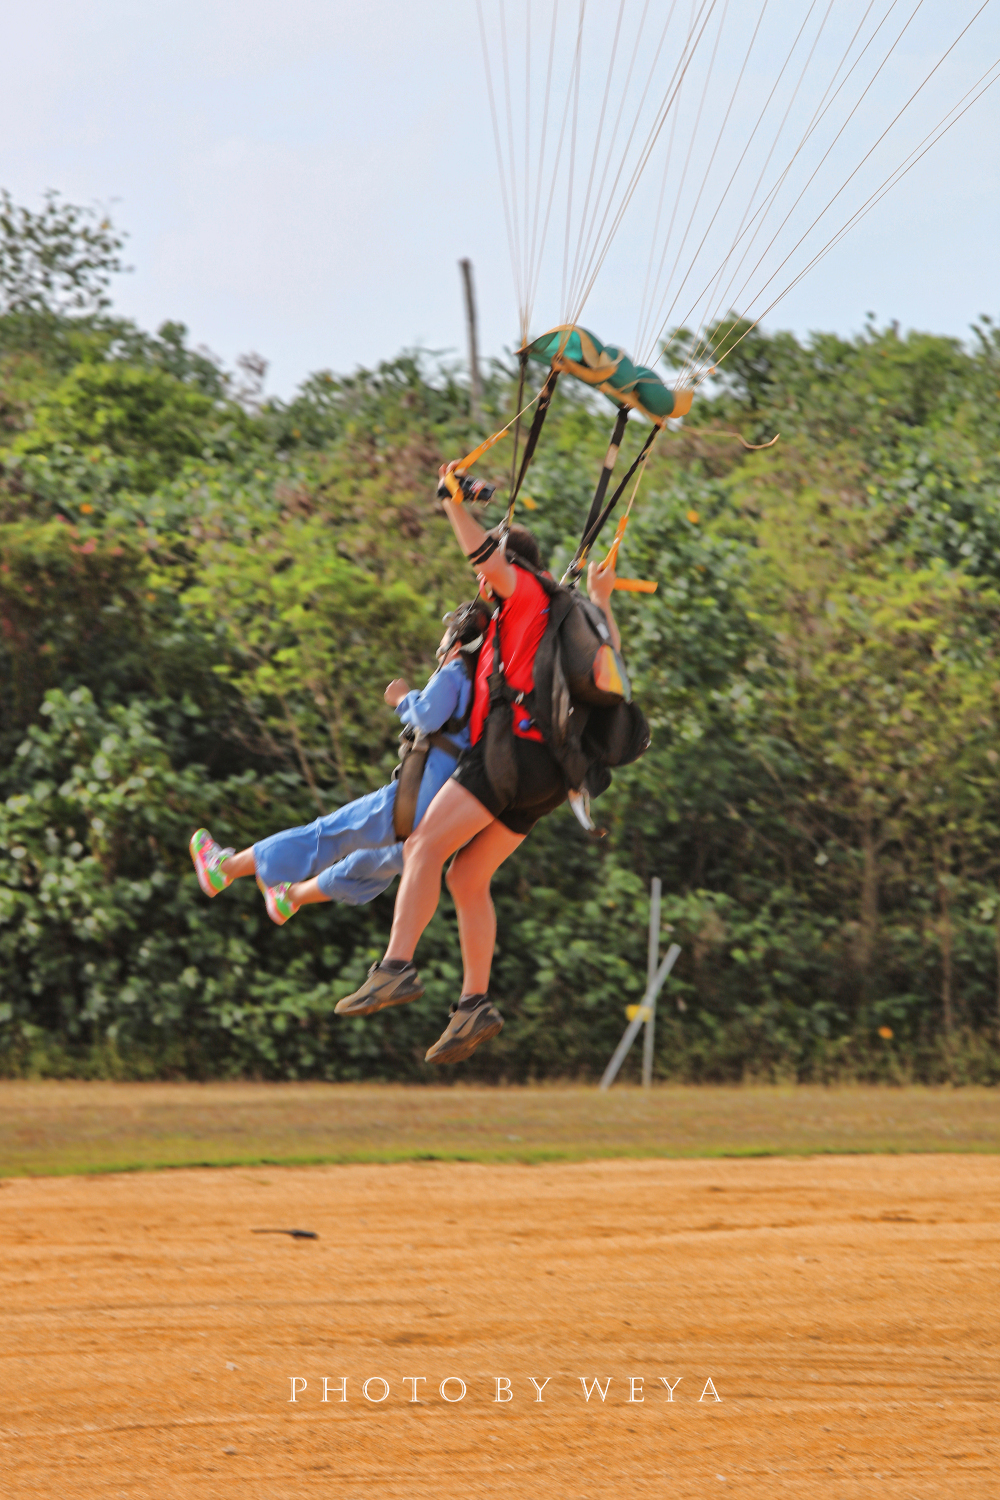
(57,261)
(203,594)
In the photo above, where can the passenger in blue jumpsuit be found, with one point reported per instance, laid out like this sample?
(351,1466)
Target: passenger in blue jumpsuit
(352,855)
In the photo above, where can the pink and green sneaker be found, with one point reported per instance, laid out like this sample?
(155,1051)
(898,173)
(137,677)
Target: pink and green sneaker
(276,899)
(209,862)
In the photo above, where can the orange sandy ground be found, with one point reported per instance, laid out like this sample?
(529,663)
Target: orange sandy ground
(846,1309)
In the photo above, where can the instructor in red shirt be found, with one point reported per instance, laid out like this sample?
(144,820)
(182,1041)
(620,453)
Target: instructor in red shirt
(466,814)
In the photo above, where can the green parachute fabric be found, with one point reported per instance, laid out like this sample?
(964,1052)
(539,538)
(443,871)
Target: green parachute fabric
(577,352)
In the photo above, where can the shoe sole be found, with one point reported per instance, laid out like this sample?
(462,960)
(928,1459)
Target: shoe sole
(202,875)
(371,1006)
(271,907)
(465,1046)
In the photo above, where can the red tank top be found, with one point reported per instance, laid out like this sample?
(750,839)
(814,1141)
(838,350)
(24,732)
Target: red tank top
(522,619)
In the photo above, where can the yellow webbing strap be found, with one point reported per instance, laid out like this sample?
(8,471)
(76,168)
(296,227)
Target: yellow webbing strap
(630,585)
(465,464)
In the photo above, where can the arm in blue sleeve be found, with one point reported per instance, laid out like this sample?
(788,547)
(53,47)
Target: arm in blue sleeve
(428,710)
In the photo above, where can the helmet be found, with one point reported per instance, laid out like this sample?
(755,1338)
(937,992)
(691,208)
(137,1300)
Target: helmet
(467,625)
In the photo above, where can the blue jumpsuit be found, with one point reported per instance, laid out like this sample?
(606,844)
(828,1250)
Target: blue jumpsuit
(354,851)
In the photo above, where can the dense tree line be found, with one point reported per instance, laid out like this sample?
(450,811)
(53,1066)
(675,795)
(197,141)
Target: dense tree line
(203,592)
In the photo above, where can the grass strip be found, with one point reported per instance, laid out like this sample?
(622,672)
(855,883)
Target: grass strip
(58,1129)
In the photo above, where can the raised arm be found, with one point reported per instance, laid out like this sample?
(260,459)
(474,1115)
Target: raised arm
(600,582)
(482,550)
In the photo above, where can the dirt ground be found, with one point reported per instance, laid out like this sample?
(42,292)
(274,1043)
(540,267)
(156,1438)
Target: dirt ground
(845,1309)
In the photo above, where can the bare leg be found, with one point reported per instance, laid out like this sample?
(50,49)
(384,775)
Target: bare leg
(240,864)
(469,883)
(305,892)
(453,818)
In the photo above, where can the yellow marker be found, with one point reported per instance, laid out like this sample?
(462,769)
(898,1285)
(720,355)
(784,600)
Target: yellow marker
(639,1012)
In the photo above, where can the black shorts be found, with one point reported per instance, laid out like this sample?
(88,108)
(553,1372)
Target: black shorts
(540,784)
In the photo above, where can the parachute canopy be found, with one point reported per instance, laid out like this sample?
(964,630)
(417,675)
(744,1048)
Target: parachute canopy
(575,351)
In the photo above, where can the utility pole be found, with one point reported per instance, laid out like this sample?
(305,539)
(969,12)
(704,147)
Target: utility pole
(470,320)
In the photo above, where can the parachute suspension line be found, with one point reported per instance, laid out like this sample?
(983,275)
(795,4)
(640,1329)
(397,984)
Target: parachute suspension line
(587,228)
(876,197)
(857,169)
(535,251)
(597,144)
(537,268)
(501,170)
(611,458)
(523,360)
(575,89)
(714,303)
(694,133)
(710,290)
(464,464)
(641,323)
(527,137)
(773,194)
(579,299)
(612,556)
(544,399)
(512,167)
(822,109)
(764,208)
(674,212)
(743,154)
(584,242)
(595,528)
(599,254)
(761,212)
(853,218)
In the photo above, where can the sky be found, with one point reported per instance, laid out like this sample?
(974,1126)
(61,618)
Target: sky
(301,180)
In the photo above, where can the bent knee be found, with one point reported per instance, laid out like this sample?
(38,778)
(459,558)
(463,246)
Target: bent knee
(422,844)
(465,880)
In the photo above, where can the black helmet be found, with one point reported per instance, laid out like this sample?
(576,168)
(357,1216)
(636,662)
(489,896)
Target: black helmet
(467,625)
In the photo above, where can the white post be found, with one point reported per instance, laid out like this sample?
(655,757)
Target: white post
(652,962)
(641,1015)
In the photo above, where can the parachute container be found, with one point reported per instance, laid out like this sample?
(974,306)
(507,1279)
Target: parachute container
(575,351)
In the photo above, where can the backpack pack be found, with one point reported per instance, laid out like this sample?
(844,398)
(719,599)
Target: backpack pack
(581,700)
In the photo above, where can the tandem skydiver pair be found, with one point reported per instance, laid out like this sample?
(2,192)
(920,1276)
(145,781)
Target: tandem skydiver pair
(536,712)
(547,720)
(548,712)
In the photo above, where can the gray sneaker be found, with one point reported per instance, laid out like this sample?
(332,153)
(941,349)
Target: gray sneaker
(382,988)
(473,1020)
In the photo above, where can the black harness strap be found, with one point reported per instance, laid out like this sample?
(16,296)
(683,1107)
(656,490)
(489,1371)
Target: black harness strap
(439,741)
(594,530)
(499,758)
(610,460)
(411,770)
(523,358)
(413,753)
(538,421)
